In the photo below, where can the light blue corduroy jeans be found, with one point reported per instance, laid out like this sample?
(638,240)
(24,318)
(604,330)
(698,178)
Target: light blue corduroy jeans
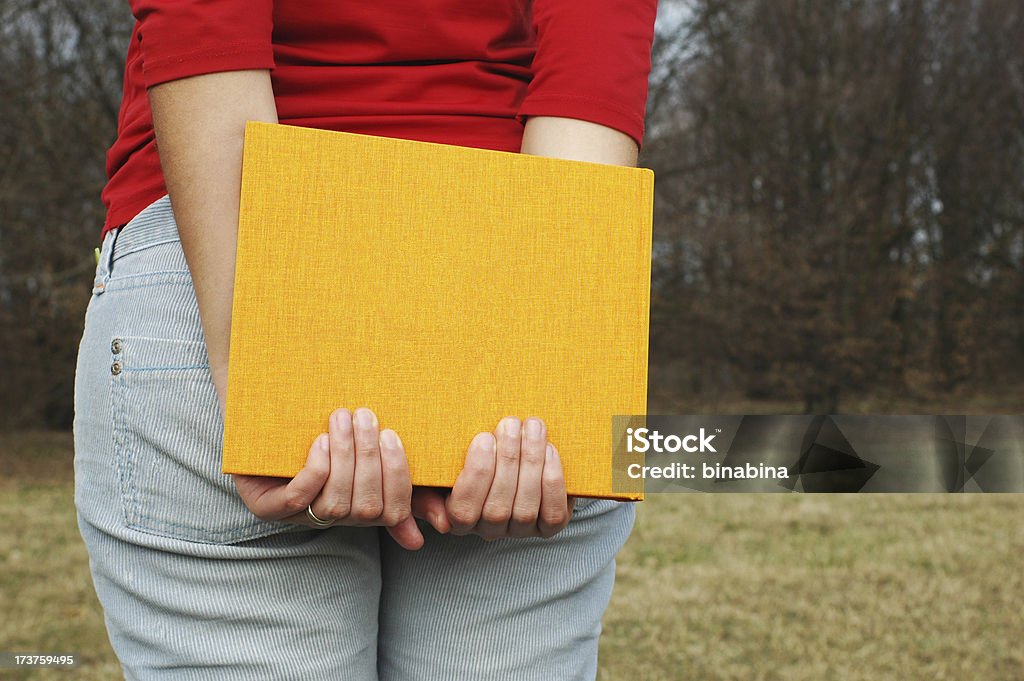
(193,586)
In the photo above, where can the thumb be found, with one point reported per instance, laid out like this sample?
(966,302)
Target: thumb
(274,501)
(428,504)
(407,534)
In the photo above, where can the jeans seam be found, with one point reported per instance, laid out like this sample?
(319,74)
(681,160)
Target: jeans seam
(185,367)
(118,401)
(165,280)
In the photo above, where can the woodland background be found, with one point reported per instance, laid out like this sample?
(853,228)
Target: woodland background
(839,215)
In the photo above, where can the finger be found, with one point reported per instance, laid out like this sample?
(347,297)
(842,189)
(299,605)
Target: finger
(465,504)
(407,534)
(526,507)
(428,504)
(497,509)
(554,505)
(280,501)
(367,493)
(252,487)
(397,486)
(335,501)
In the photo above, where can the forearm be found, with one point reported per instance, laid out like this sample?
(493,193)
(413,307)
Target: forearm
(578,140)
(200,125)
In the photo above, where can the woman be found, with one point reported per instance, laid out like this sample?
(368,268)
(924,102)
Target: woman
(204,576)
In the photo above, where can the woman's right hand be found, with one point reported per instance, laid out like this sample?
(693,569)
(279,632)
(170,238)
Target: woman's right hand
(354,475)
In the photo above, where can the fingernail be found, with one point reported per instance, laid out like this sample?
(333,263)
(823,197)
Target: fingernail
(509,427)
(551,453)
(366,418)
(389,438)
(323,442)
(339,417)
(485,441)
(533,429)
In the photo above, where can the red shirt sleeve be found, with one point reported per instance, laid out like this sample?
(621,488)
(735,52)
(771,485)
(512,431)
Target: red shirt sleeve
(180,38)
(592,62)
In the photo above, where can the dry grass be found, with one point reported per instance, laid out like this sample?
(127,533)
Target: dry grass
(839,587)
(48,599)
(710,587)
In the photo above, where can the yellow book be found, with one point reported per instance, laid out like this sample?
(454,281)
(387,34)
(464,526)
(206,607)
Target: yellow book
(443,287)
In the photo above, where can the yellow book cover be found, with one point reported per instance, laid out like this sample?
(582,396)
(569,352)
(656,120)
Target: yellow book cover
(443,287)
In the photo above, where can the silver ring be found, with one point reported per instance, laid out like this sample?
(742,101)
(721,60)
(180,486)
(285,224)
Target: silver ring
(319,522)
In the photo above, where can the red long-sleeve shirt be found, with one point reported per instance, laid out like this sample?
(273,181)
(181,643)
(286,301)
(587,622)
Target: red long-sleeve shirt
(464,72)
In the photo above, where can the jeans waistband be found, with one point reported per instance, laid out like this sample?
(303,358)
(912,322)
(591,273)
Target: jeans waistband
(154,225)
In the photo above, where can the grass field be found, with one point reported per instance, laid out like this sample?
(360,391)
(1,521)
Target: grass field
(710,587)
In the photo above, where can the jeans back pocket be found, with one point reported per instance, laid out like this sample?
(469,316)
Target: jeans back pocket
(168,440)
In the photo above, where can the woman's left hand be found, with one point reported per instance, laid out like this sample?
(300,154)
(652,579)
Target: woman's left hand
(511,485)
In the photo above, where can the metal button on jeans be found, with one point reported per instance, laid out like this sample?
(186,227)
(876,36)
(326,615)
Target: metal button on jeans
(115,368)
(115,346)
